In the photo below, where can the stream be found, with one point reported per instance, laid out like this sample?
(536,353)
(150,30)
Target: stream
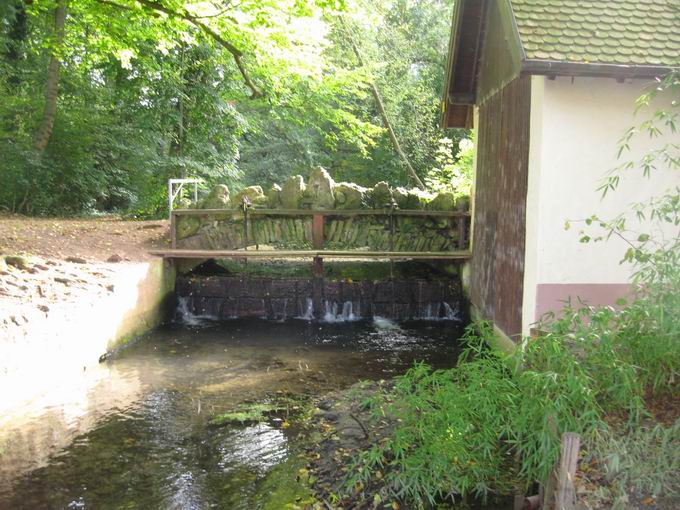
(134,431)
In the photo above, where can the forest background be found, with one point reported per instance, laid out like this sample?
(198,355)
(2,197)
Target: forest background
(101,101)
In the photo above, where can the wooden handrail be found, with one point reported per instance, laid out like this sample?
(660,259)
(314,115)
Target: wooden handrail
(322,212)
(273,254)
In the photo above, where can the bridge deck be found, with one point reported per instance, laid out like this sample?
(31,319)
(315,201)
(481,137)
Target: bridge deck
(279,254)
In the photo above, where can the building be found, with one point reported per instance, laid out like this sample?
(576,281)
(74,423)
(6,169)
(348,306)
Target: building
(550,86)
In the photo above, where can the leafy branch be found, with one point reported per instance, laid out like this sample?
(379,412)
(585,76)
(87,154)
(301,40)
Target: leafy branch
(185,15)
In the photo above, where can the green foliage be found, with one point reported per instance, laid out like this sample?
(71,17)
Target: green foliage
(496,420)
(646,460)
(453,174)
(153,90)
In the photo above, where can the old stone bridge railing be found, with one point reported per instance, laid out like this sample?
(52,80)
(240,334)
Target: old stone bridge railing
(322,220)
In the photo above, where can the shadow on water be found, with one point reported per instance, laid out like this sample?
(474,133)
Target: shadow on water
(139,434)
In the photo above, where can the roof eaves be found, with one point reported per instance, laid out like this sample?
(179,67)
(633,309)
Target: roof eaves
(561,68)
(453,43)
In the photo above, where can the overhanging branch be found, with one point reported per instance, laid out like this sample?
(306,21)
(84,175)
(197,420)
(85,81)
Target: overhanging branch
(186,16)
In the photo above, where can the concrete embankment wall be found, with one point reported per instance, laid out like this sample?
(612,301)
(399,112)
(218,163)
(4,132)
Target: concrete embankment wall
(43,350)
(225,297)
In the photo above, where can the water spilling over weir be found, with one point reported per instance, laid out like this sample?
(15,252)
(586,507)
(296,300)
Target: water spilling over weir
(229,297)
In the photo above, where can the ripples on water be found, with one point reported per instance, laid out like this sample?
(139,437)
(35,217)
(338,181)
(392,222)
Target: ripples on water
(134,433)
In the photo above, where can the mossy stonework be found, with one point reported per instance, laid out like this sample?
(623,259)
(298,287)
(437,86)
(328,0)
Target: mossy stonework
(342,232)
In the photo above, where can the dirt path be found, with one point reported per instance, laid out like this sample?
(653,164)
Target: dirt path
(95,239)
(45,261)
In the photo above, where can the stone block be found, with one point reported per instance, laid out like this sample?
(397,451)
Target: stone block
(251,307)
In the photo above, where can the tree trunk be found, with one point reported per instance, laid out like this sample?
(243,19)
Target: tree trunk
(383,115)
(44,132)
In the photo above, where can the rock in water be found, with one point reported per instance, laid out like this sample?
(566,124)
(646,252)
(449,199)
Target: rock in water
(254,194)
(18,261)
(320,189)
(291,192)
(349,196)
(274,197)
(381,196)
(218,198)
(443,201)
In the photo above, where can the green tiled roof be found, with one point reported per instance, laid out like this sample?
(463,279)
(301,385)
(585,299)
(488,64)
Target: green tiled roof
(635,32)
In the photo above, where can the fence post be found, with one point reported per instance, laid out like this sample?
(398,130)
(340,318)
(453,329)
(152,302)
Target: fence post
(566,491)
(173,229)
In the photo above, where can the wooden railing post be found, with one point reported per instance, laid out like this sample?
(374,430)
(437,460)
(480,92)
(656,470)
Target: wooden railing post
(393,205)
(318,243)
(566,490)
(245,205)
(173,229)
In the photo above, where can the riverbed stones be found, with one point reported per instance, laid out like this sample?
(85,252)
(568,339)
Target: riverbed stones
(291,192)
(218,198)
(18,261)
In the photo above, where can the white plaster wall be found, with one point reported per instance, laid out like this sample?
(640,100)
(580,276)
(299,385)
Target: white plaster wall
(533,204)
(575,127)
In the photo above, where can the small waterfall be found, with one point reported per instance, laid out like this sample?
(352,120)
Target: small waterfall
(441,311)
(431,312)
(185,315)
(284,314)
(309,311)
(451,314)
(331,312)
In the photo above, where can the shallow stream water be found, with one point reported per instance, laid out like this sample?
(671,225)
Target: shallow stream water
(134,432)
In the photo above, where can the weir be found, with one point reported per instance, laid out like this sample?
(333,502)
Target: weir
(230,297)
(322,222)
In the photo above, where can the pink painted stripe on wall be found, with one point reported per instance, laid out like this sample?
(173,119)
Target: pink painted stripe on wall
(550,297)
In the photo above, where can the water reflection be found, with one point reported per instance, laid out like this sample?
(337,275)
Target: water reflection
(134,432)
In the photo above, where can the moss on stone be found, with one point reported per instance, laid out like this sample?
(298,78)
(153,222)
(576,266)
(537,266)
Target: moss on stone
(291,192)
(443,201)
(274,197)
(320,189)
(19,261)
(218,198)
(187,226)
(254,194)
(381,196)
(247,414)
